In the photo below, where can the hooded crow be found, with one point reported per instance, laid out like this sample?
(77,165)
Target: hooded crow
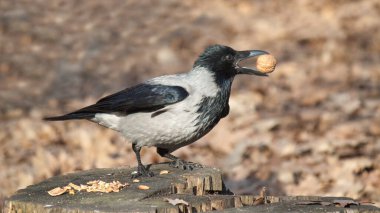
(171,111)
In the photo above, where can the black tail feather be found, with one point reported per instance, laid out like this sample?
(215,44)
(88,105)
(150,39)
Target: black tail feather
(71,116)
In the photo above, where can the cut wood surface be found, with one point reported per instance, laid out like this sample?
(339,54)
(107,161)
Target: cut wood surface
(200,190)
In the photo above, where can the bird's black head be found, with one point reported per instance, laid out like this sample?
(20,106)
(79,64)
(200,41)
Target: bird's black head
(224,61)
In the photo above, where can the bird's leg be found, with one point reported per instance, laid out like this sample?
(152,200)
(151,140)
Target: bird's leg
(141,169)
(176,162)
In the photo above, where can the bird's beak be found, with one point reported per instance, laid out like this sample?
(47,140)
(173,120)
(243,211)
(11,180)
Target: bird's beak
(242,55)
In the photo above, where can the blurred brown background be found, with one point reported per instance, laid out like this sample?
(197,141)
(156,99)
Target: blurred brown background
(311,128)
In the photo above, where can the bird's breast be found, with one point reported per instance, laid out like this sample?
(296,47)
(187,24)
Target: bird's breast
(184,122)
(209,111)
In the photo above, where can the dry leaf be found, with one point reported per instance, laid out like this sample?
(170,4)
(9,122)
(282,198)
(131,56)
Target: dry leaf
(176,201)
(143,187)
(135,180)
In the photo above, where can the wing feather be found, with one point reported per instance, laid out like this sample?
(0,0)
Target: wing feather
(140,98)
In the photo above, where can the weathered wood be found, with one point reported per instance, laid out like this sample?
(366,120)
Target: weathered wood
(294,208)
(203,189)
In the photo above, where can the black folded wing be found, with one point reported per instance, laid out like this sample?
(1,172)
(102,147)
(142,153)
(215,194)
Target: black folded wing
(140,98)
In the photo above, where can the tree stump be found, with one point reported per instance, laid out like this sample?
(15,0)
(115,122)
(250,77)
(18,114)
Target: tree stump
(196,191)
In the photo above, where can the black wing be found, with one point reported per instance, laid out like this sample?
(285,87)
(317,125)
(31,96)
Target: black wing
(140,98)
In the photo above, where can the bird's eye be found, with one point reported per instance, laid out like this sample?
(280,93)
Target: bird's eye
(228,58)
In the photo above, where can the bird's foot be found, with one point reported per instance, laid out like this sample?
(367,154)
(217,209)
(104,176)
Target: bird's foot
(142,171)
(184,165)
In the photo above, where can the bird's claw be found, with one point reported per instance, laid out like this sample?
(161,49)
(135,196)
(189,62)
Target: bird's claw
(142,172)
(184,165)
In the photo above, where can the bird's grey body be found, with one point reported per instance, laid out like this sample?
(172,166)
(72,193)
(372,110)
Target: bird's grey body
(171,111)
(178,124)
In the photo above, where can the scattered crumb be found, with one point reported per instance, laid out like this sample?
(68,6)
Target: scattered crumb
(143,187)
(57,191)
(71,192)
(76,187)
(164,172)
(91,186)
(176,201)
